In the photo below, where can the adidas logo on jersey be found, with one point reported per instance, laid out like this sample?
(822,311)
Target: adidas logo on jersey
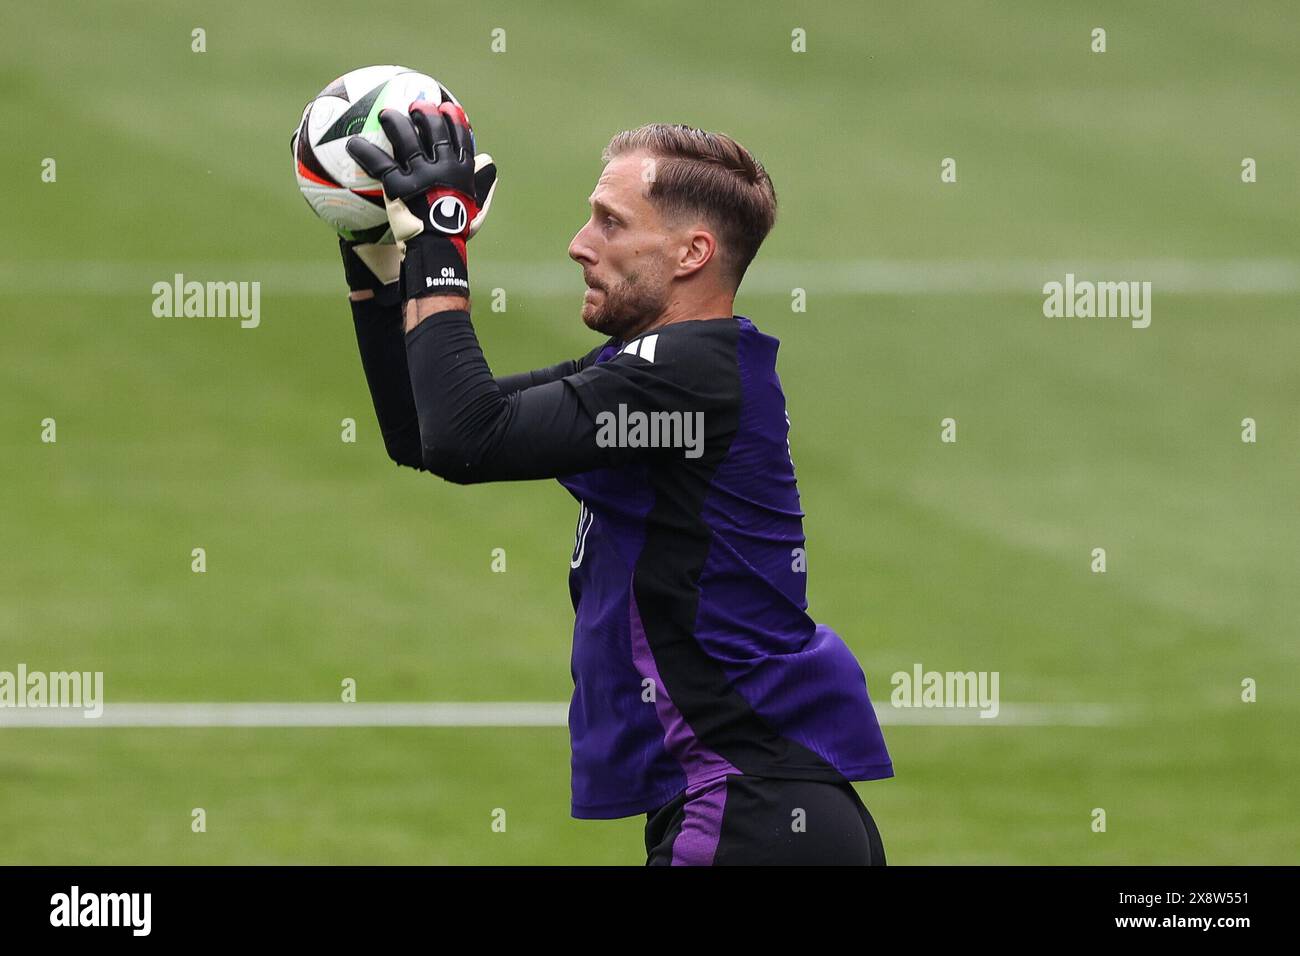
(642,348)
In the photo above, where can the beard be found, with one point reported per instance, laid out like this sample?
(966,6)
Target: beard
(625,309)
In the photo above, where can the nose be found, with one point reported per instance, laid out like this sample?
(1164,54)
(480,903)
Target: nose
(580,250)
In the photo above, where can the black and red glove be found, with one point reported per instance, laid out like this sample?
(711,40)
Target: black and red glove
(429,191)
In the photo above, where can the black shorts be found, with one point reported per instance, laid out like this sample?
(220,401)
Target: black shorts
(760,821)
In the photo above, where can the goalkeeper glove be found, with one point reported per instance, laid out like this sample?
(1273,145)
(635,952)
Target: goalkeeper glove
(431,193)
(377,265)
(374,266)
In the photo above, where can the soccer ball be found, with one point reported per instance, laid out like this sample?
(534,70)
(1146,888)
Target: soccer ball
(336,188)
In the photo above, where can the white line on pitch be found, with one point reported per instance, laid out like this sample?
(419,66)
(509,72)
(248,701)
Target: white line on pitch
(487,714)
(502,714)
(767,277)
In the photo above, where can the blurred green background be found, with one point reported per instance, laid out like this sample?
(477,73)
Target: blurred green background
(326,561)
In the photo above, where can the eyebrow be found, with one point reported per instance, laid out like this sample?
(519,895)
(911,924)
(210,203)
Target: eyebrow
(597,204)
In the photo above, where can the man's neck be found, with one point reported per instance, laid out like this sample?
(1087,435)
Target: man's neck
(678,311)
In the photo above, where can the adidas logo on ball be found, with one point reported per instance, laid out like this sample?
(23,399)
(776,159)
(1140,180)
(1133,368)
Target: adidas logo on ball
(448,215)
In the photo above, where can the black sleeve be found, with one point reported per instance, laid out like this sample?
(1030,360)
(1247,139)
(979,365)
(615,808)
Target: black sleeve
(540,376)
(472,431)
(383,357)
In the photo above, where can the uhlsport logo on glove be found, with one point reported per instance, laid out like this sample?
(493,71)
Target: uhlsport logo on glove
(448,215)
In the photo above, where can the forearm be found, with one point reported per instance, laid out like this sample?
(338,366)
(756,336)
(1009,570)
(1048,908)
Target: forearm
(471,430)
(383,357)
(380,340)
(458,401)
(417,310)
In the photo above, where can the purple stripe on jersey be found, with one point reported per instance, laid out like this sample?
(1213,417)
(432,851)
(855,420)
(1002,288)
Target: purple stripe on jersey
(696,844)
(701,764)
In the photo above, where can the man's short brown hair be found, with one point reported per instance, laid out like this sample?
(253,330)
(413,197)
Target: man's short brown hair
(709,175)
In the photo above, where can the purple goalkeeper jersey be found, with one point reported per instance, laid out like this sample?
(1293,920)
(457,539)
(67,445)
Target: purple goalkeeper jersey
(693,652)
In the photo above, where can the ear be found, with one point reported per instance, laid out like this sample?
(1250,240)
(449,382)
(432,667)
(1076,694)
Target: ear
(701,246)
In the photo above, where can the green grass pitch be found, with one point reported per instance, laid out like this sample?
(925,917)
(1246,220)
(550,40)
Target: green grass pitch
(325,561)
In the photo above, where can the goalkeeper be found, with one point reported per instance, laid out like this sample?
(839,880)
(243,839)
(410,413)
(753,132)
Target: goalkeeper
(705,697)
